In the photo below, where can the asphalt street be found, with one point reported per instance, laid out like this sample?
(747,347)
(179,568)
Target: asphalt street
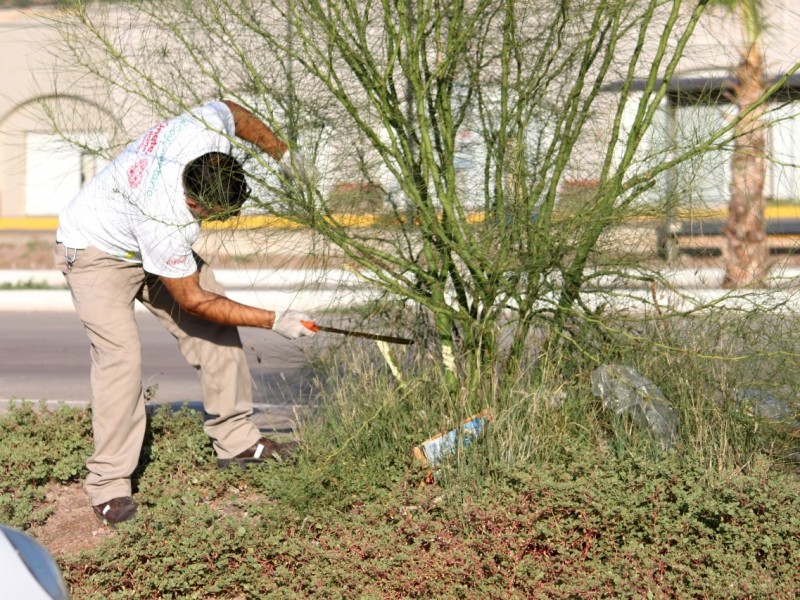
(44,353)
(44,356)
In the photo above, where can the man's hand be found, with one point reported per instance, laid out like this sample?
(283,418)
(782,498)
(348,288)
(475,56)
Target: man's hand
(296,167)
(290,324)
(252,129)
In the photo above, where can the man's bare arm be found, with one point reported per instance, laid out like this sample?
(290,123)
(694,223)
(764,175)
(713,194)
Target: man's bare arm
(252,129)
(210,306)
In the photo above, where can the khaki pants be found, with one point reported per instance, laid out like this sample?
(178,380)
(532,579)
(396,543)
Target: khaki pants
(103,290)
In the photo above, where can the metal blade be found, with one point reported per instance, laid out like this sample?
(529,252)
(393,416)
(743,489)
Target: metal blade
(369,336)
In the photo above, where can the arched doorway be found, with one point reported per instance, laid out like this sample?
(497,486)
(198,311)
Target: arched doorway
(49,147)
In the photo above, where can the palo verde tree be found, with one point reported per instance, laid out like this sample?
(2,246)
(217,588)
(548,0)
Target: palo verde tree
(472,116)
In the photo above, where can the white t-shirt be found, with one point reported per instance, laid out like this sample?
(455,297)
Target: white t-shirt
(135,208)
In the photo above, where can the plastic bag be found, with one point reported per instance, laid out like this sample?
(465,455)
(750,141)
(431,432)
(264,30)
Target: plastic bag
(765,405)
(623,390)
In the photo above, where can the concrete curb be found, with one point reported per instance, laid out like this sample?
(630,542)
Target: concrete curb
(251,279)
(317,290)
(229,278)
(277,300)
(283,289)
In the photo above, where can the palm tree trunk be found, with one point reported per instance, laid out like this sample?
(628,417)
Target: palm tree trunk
(747,252)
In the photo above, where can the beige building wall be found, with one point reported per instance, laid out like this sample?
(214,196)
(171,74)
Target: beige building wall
(24,76)
(718,39)
(45,104)
(40,93)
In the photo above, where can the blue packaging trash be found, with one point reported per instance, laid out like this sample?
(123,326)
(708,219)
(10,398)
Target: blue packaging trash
(431,452)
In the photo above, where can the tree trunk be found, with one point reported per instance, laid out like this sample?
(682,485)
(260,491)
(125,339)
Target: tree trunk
(747,252)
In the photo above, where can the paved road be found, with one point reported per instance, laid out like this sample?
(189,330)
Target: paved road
(45,356)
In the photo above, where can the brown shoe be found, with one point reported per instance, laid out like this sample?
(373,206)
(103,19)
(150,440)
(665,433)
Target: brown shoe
(263,449)
(115,511)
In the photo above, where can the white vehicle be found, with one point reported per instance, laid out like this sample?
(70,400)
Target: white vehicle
(27,570)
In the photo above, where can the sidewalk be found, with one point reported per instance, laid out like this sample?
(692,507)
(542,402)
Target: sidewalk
(261,284)
(317,289)
(278,285)
(274,289)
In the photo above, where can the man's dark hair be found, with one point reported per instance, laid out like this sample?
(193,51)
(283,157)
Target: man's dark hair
(216,180)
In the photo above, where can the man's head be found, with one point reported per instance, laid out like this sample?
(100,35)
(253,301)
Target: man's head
(215,186)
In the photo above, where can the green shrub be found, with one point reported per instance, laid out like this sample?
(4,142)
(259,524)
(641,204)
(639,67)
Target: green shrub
(554,500)
(39,446)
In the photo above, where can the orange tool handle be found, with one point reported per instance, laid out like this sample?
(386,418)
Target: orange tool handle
(310,325)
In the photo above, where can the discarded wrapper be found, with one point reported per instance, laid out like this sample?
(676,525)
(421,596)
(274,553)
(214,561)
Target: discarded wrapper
(430,452)
(624,390)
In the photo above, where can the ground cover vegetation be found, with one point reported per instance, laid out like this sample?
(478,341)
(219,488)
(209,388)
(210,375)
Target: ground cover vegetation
(558,498)
(513,300)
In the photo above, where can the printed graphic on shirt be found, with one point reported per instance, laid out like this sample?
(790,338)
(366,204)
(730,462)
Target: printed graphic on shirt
(146,146)
(177,261)
(135,173)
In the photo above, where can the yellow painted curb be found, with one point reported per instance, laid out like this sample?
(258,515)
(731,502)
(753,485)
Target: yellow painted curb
(773,212)
(28,223)
(243,222)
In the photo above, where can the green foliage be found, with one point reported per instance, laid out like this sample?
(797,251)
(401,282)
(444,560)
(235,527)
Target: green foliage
(30,284)
(636,527)
(356,198)
(472,118)
(555,499)
(39,446)
(584,524)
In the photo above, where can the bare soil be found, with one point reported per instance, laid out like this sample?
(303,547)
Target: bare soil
(253,248)
(26,250)
(72,528)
